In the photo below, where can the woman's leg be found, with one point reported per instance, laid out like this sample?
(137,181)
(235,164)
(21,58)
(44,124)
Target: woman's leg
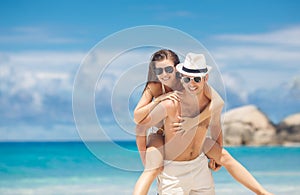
(236,170)
(153,165)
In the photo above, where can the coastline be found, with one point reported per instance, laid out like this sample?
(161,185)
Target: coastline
(70,168)
(129,142)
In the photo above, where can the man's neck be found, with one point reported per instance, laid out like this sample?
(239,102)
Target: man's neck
(199,100)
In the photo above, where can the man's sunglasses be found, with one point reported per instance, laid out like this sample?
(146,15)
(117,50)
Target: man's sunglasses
(188,79)
(168,69)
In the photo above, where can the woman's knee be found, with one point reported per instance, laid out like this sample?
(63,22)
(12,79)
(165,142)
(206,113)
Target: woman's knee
(154,159)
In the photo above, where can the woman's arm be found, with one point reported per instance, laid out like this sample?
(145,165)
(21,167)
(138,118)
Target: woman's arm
(146,104)
(155,116)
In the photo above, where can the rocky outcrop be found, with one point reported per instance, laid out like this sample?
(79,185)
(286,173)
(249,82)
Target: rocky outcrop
(248,126)
(288,130)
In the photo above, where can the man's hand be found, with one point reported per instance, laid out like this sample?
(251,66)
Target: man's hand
(176,127)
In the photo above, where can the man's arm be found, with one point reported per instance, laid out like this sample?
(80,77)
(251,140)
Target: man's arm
(215,126)
(216,134)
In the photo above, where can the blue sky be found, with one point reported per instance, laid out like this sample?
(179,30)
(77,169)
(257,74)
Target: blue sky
(42,43)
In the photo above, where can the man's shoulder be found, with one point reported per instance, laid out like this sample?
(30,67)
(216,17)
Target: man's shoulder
(214,96)
(169,103)
(170,106)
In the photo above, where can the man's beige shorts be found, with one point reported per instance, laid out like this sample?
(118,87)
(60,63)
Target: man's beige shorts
(186,177)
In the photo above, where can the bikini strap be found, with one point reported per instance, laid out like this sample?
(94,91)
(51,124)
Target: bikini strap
(163,89)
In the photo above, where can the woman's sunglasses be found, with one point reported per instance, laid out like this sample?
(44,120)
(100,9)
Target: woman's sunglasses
(168,69)
(188,79)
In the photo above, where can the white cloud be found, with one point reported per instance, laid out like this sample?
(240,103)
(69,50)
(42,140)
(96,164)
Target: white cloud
(285,37)
(44,59)
(235,84)
(32,82)
(279,48)
(246,56)
(36,70)
(49,75)
(264,61)
(33,35)
(294,87)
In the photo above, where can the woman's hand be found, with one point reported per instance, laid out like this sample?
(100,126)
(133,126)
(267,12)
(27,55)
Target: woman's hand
(213,165)
(174,96)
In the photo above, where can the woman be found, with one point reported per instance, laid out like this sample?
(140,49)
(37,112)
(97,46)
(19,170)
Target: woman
(161,86)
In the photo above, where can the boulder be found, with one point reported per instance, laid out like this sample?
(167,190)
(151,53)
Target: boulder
(247,125)
(289,129)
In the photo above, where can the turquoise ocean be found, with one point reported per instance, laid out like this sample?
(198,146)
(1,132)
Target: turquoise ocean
(71,168)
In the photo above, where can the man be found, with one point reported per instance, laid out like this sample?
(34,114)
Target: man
(185,166)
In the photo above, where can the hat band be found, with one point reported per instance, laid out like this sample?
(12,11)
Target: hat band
(204,70)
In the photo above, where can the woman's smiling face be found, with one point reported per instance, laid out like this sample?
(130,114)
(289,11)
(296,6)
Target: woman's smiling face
(165,72)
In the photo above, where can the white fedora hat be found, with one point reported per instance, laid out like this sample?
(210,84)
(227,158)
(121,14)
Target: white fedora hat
(194,65)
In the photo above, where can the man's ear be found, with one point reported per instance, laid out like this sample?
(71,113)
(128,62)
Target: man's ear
(206,78)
